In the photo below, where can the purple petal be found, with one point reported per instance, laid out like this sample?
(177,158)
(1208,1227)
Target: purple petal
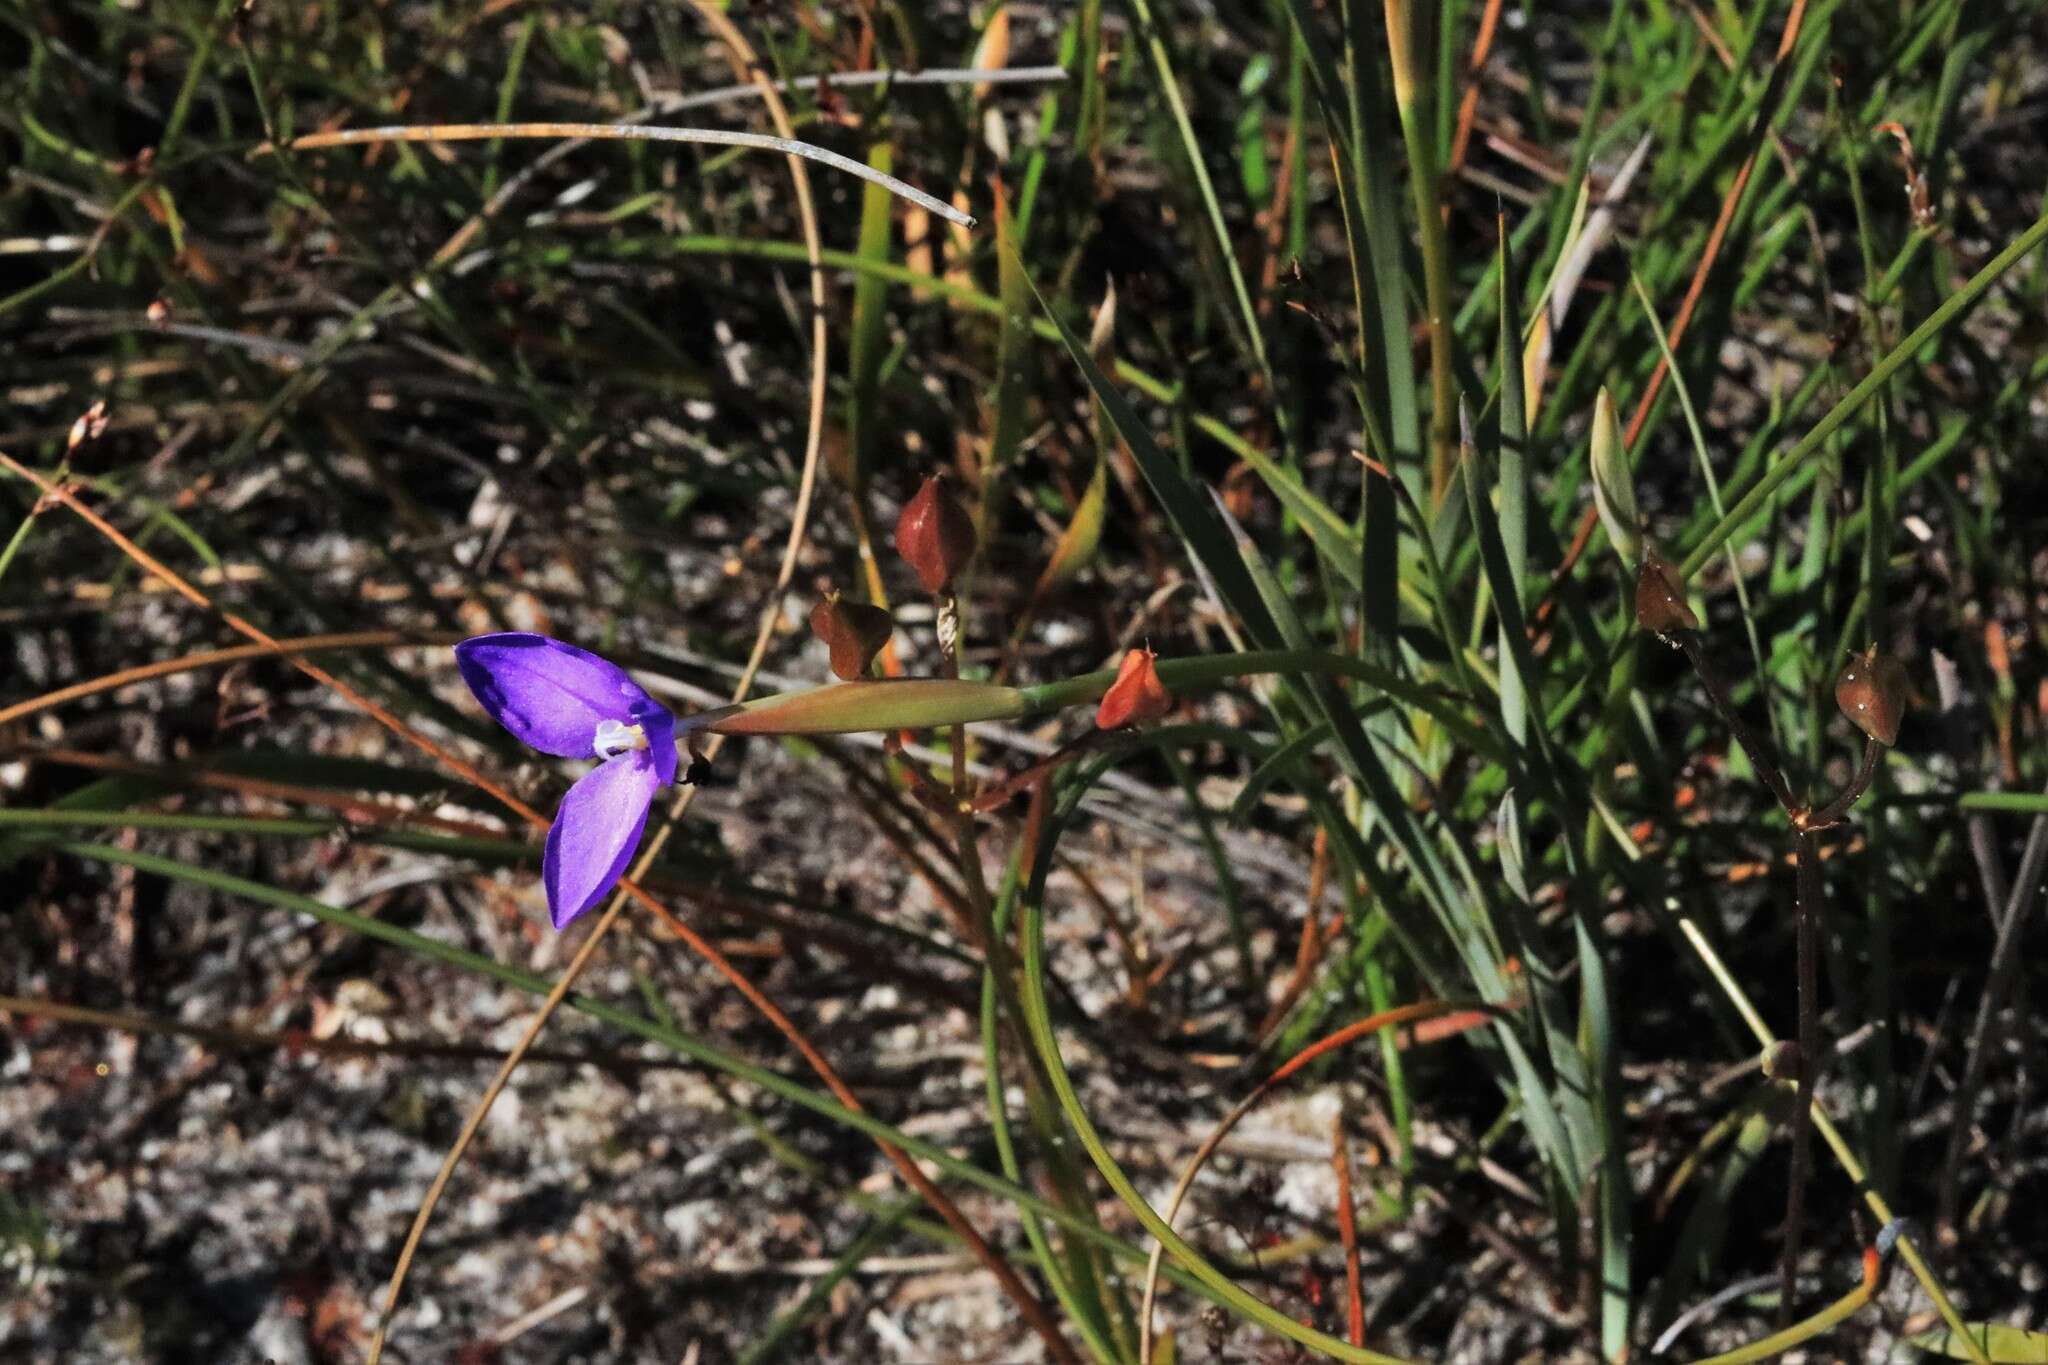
(553,696)
(660,728)
(596,829)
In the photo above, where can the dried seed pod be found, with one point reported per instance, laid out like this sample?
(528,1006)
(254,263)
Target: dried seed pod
(1136,696)
(1661,607)
(935,535)
(854,631)
(1873,692)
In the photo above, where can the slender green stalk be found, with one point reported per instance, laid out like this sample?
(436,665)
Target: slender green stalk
(15,542)
(195,71)
(1436,259)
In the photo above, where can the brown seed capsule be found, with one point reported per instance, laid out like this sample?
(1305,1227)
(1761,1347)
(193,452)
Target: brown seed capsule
(854,631)
(1660,596)
(935,535)
(1137,695)
(1874,692)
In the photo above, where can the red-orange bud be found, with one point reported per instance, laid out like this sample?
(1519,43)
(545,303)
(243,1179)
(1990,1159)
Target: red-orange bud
(1136,696)
(935,535)
(854,631)
(1873,692)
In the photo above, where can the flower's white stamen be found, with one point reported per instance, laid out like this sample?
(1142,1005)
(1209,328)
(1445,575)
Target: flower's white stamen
(616,737)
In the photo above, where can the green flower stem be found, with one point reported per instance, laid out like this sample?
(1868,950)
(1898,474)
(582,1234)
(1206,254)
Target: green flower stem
(1429,231)
(1219,1286)
(15,542)
(1086,1321)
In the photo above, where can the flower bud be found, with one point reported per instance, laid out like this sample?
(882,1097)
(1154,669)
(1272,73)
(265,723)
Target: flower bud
(935,535)
(1136,696)
(89,427)
(1874,692)
(854,631)
(1660,596)
(1614,483)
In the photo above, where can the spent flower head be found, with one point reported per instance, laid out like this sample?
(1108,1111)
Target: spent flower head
(935,535)
(1661,607)
(854,632)
(570,703)
(1874,692)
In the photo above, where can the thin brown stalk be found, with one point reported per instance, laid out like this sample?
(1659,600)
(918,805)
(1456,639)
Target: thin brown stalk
(1807,911)
(1309,952)
(1003,791)
(1760,756)
(1806,824)
(1866,771)
(1468,103)
(1347,1232)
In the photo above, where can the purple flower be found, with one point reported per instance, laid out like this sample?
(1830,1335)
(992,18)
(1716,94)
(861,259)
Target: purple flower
(568,702)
